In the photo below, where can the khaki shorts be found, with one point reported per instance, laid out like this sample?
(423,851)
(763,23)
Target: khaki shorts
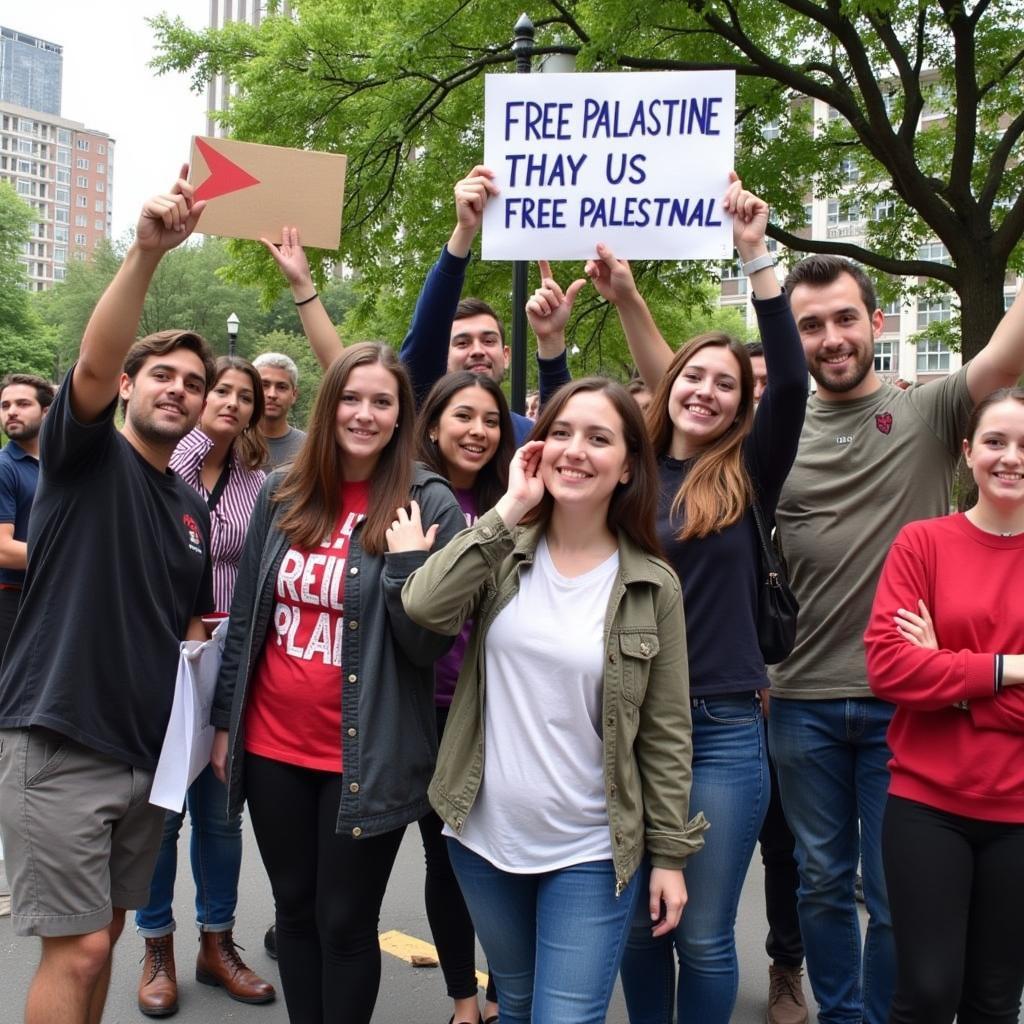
(79,834)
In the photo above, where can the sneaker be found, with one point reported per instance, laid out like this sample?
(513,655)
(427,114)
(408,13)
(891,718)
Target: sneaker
(786,1003)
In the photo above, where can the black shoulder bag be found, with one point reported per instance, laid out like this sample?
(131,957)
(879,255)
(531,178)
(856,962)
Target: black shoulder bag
(777,608)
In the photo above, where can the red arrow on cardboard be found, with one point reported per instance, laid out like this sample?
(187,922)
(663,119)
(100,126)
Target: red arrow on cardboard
(225,175)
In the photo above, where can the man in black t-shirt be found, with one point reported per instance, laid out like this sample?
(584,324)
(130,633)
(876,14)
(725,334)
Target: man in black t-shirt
(118,574)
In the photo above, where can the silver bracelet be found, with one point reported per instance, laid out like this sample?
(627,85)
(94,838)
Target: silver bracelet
(766,259)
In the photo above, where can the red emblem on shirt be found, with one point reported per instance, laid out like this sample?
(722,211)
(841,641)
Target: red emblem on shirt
(883,420)
(195,538)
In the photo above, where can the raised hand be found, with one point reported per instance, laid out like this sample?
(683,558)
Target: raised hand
(548,308)
(290,258)
(750,218)
(471,195)
(406,532)
(918,629)
(525,486)
(169,218)
(612,278)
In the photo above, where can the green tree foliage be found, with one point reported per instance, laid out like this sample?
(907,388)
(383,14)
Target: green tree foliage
(25,345)
(399,87)
(189,291)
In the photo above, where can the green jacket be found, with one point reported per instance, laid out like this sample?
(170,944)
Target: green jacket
(646,704)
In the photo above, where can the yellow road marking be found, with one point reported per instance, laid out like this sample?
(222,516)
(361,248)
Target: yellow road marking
(405,947)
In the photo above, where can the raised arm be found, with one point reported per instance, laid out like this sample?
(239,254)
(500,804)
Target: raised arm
(1000,364)
(316,323)
(165,222)
(425,349)
(548,310)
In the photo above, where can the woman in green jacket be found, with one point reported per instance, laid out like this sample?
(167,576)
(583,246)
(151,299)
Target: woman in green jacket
(586,766)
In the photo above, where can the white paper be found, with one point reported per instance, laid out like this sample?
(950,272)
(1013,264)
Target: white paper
(638,160)
(189,737)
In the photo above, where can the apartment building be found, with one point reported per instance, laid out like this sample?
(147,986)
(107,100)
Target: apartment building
(65,172)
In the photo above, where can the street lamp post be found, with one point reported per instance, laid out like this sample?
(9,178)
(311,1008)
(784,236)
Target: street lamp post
(522,47)
(233,323)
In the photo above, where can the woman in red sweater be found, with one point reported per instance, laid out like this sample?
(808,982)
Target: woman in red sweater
(945,644)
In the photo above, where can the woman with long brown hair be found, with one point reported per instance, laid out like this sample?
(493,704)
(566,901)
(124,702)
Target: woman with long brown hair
(573,760)
(715,458)
(324,704)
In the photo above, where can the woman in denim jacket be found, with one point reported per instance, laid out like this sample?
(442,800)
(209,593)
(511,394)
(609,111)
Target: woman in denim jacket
(586,765)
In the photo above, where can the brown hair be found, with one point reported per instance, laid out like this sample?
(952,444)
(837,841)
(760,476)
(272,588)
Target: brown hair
(45,391)
(492,479)
(162,342)
(634,504)
(250,446)
(819,270)
(717,491)
(1015,394)
(477,307)
(311,487)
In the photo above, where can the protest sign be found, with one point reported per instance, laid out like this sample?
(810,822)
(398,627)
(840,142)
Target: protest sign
(639,160)
(252,191)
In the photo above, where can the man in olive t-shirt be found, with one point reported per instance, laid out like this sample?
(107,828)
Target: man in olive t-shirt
(872,457)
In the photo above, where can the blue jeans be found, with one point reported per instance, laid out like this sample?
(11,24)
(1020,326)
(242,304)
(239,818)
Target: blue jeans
(732,788)
(216,861)
(831,757)
(553,940)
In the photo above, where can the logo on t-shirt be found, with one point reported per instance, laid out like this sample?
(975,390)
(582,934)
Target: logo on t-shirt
(195,538)
(883,420)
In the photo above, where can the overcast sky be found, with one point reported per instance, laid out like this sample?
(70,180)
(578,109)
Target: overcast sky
(108,86)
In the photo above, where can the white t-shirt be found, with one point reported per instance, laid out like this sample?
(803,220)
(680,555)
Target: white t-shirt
(541,805)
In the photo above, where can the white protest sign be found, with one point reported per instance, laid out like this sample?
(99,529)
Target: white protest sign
(638,160)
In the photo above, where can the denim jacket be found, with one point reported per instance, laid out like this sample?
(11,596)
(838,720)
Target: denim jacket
(389,739)
(646,706)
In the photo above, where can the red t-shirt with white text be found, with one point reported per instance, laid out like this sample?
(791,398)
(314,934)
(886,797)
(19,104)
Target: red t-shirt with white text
(294,711)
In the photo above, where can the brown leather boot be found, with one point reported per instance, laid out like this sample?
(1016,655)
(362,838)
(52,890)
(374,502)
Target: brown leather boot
(786,1003)
(158,986)
(218,963)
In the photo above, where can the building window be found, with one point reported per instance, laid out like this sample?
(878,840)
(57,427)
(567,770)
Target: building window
(82,144)
(62,195)
(61,216)
(772,130)
(60,235)
(885,356)
(24,146)
(933,311)
(60,255)
(80,239)
(100,187)
(64,157)
(82,181)
(59,273)
(28,127)
(932,356)
(82,201)
(849,169)
(82,164)
(101,168)
(893,308)
(100,206)
(884,209)
(934,251)
(101,149)
(81,220)
(64,136)
(25,188)
(842,211)
(24,166)
(99,225)
(63,176)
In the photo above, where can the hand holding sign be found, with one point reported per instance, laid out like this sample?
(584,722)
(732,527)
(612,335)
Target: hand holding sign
(290,258)
(548,311)
(168,219)
(471,195)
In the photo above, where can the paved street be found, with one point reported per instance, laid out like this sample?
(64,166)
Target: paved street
(408,995)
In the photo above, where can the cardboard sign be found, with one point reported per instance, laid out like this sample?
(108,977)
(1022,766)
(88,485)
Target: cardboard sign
(253,191)
(638,160)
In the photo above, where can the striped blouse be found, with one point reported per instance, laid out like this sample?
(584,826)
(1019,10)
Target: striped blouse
(230,519)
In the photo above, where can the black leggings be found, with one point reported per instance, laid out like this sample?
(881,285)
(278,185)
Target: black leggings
(956,894)
(327,888)
(450,923)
